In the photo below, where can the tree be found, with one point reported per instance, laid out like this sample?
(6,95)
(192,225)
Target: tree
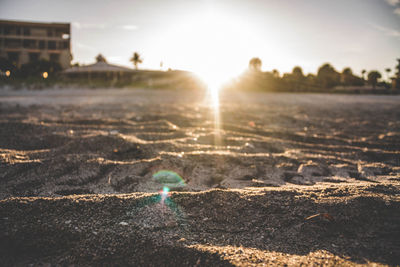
(296,78)
(363,74)
(328,77)
(398,69)
(373,77)
(347,76)
(136,59)
(388,70)
(396,81)
(275,73)
(255,64)
(298,72)
(101,58)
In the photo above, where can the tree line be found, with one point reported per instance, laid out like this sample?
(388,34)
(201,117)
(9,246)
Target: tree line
(327,77)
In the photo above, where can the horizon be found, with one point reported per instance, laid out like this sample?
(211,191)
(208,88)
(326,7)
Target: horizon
(219,38)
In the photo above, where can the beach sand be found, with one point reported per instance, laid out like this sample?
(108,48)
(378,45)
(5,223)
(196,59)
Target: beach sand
(281,179)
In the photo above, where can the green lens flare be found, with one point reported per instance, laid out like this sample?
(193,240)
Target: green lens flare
(169,179)
(165,190)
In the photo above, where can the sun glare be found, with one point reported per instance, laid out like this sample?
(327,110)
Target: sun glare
(212,44)
(209,44)
(215,45)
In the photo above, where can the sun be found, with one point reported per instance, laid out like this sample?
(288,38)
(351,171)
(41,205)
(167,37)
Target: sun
(212,44)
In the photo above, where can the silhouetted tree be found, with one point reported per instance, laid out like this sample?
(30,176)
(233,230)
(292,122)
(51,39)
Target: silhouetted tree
(398,68)
(347,76)
(328,77)
(275,73)
(255,64)
(100,58)
(312,82)
(298,72)
(296,78)
(388,70)
(396,81)
(373,77)
(363,74)
(136,60)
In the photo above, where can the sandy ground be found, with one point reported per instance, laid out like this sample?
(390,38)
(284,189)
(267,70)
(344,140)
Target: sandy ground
(281,179)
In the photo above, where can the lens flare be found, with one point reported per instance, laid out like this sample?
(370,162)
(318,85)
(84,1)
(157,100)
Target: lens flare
(169,179)
(215,81)
(164,194)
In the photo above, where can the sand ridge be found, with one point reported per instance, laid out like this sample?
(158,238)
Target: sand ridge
(287,178)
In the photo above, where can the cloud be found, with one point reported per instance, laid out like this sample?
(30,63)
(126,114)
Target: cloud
(79,25)
(129,27)
(393,2)
(388,31)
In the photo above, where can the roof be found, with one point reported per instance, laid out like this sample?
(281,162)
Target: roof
(98,67)
(361,88)
(31,23)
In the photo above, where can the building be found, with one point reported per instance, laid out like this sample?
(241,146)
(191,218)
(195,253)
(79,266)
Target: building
(24,42)
(100,70)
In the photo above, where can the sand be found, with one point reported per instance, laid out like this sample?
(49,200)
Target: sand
(282,179)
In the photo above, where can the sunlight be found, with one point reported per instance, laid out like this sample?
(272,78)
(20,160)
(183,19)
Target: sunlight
(214,82)
(209,45)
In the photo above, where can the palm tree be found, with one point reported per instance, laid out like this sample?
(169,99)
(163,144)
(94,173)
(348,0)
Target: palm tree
(136,59)
(373,77)
(363,74)
(100,58)
(255,64)
(275,73)
(388,70)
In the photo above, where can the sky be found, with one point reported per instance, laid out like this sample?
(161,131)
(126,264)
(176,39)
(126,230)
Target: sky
(221,36)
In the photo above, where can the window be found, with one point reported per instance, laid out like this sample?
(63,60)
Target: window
(52,45)
(25,43)
(33,57)
(13,57)
(59,33)
(27,31)
(54,57)
(29,44)
(7,30)
(66,45)
(13,43)
(41,45)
